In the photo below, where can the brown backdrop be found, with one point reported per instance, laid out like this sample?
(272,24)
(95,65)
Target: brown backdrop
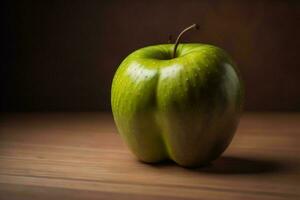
(61,55)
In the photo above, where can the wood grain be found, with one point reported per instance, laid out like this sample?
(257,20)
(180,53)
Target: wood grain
(81,156)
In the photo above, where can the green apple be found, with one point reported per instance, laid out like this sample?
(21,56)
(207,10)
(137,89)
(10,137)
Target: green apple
(180,102)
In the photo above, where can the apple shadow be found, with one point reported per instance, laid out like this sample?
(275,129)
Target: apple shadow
(232,165)
(236,165)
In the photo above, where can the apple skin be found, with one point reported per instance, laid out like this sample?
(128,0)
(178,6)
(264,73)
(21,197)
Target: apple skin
(185,108)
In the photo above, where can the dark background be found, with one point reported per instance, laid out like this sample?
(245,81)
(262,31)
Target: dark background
(61,55)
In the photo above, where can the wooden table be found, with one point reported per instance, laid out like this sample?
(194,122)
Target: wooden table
(80,156)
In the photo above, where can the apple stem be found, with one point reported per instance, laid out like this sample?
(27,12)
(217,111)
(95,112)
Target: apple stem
(194,26)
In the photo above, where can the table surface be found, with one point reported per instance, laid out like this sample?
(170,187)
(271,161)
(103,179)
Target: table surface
(81,156)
